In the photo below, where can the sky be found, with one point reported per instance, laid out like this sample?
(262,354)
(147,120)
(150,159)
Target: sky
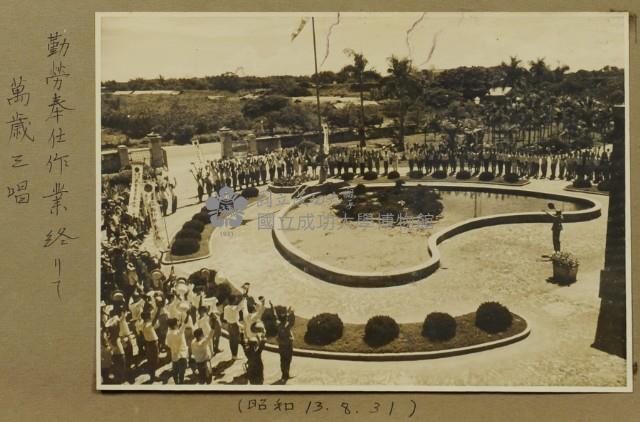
(192,45)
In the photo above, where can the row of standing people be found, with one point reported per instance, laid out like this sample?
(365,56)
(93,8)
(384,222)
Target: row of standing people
(592,164)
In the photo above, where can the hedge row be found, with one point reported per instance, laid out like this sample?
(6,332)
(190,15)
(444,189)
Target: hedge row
(326,328)
(187,240)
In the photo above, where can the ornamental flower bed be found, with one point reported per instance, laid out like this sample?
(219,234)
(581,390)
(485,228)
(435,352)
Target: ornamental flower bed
(291,180)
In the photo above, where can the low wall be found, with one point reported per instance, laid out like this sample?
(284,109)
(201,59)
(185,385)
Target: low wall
(110,160)
(406,356)
(344,277)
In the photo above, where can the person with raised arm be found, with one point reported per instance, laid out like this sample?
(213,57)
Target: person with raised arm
(284,326)
(177,345)
(556,227)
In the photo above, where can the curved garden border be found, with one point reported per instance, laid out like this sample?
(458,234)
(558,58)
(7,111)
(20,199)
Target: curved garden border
(344,277)
(282,189)
(570,188)
(406,356)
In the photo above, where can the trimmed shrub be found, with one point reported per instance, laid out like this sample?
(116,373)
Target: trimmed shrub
(269,319)
(380,330)
(439,326)
(486,176)
(511,178)
(370,175)
(360,189)
(193,225)
(604,186)
(439,174)
(393,175)
(189,234)
(250,192)
(324,329)
(201,217)
(463,175)
(581,183)
(493,317)
(416,174)
(347,176)
(183,247)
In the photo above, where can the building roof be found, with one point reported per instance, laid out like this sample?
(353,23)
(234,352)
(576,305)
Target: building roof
(156,92)
(499,91)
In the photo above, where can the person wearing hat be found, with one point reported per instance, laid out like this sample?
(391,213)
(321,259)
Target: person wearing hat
(253,348)
(284,326)
(157,280)
(231,314)
(151,346)
(201,352)
(177,344)
(136,307)
(132,281)
(115,348)
(203,322)
(556,226)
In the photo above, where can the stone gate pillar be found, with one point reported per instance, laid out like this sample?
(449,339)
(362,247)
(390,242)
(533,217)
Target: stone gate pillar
(155,149)
(123,155)
(253,144)
(226,143)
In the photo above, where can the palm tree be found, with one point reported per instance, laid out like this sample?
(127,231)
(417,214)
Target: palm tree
(539,71)
(513,73)
(356,72)
(401,85)
(559,71)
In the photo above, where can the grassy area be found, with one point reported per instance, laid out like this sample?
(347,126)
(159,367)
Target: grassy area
(410,338)
(202,252)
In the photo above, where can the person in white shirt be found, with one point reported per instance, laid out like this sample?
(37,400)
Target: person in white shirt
(151,343)
(177,344)
(136,306)
(253,318)
(232,316)
(201,352)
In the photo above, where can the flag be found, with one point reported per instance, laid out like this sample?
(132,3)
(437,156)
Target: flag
(196,143)
(135,195)
(297,32)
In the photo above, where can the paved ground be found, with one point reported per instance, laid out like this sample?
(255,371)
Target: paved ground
(502,263)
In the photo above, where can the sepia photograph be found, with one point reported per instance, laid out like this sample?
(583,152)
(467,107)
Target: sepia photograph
(353,201)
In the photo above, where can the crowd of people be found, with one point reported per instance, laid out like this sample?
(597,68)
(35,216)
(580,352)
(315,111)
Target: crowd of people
(589,164)
(254,170)
(178,320)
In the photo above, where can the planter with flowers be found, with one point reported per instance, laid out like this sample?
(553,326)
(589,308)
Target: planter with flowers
(565,267)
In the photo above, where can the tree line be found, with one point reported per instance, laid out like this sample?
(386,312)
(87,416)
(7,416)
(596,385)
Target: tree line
(545,104)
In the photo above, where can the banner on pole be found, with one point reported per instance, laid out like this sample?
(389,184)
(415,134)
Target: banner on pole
(152,207)
(325,144)
(135,195)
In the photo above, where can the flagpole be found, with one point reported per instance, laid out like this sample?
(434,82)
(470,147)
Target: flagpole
(315,60)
